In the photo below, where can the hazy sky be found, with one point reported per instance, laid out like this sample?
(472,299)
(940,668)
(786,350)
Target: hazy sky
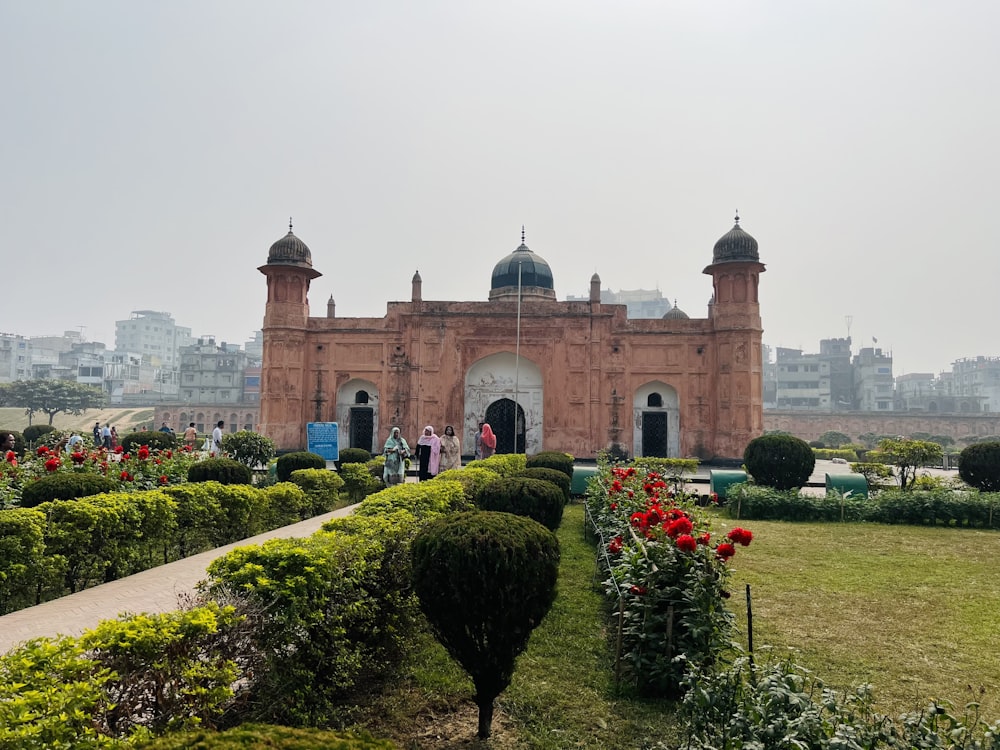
(153,151)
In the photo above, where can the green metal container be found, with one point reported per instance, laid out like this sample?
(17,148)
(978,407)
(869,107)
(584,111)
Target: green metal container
(580,476)
(856,484)
(719,480)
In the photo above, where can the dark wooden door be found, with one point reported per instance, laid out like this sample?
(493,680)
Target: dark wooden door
(654,434)
(362,427)
(500,417)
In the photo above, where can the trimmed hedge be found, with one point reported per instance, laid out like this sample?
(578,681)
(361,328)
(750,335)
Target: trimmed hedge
(290,462)
(23,563)
(154,440)
(979,466)
(537,499)
(64,486)
(322,488)
(474,479)
(779,461)
(552,460)
(354,456)
(557,477)
(504,464)
(221,470)
(827,454)
(935,507)
(359,481)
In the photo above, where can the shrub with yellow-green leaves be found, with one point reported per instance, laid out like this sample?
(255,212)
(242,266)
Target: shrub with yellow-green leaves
(420,499)
(504,464)
(474,480)
(268,736)
(322,489)
(23,565)
(359,481)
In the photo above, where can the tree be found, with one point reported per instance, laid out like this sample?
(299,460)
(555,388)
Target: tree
(907,456)
(485,580)
(249,448)
(780,461)
(52,397)
(979,466)
(834,439)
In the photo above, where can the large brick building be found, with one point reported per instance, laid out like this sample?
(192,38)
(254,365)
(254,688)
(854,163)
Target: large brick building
(575,376)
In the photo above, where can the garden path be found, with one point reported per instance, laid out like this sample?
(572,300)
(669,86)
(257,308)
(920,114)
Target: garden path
(155,590)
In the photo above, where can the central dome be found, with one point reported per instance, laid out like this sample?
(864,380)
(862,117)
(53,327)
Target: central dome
(535,275)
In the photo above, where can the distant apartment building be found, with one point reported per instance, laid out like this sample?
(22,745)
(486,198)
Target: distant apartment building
(255,348)
(15,357)
(837,354)
(647,304)
(45,354)
(978,377)
(155,336)
(212,374)
(802,381)
(873,382)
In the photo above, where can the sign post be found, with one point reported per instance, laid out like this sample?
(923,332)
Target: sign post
(323,439)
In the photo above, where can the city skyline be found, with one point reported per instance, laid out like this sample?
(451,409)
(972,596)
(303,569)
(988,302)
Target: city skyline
(154,153)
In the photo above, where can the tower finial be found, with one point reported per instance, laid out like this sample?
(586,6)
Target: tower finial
(737,217)
(522,234)
(289,224)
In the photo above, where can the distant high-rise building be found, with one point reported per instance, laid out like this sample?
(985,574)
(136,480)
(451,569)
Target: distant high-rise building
(979,377)
(15,357)
(154,335)
(873,382)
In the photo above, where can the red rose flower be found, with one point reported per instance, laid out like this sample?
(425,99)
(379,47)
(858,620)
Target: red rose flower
(615,546)
(638,520)
(686,543)
(52,464)
(143,453)
(78,458)
(11,458)
(679,526)
(740,536)
(124,476)
(614,506)
(724,551)
(164,479)
(42,450)
(168,454)
(704,538)
(640,590)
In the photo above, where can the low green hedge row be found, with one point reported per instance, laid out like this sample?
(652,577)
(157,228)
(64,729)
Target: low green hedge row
(915,507)
(828,454)
(65,546)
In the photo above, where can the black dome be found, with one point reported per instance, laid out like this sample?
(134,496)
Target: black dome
(535,271)
(290,250)
(735,245)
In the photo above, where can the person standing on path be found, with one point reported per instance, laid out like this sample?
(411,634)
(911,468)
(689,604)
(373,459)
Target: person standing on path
(479,442)
(106,436)
(489,441)
(396,451)
(190,436)
(97,434)
(217,437)
(451,450)
(429,453)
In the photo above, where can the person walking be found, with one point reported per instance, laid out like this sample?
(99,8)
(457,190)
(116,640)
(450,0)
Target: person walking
(396,451)
(489,441)
(217,437)
(451,450)
(429,454)
(479,442)
(190,436)
(106,437)
(97,434)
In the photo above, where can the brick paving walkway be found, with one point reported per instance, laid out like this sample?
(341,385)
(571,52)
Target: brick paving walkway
(154,590)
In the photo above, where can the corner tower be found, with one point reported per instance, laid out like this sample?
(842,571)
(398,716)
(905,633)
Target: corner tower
(735,318)
(286,316)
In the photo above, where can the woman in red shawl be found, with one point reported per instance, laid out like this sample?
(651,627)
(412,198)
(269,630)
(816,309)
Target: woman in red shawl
(489,441)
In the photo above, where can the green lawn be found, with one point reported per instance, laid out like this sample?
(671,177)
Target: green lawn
(914,611)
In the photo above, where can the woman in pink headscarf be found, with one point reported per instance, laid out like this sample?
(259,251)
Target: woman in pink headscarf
(489,441)
(429,454)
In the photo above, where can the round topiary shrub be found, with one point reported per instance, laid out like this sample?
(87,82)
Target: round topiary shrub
(780,461)
(535,498)
(353,456)
(485,581)
(552,460)
(298,460)
(249,448)
(151,439)
(558,478)
(35,431)
(979,466)
(65,486)
(221,470)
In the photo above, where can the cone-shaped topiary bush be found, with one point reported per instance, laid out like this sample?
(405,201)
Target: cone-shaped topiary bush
(780,461)
(485,581)
(535,498)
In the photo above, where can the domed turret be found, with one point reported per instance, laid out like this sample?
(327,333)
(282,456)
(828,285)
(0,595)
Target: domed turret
(675,313)
(290,251)
(735,245)
(535,275)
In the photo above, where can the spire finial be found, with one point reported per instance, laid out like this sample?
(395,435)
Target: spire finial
(522,234)
(289,224)
(737,217)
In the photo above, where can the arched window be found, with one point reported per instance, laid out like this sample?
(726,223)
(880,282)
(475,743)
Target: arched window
(654,400)
(361,397)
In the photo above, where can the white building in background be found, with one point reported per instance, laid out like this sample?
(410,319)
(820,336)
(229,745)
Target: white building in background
(978,377)
(15,357)
(649,304)
(155,336)
(873,381)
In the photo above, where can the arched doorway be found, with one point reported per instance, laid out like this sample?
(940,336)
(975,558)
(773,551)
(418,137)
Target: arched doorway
(500,417)
(504,377)
(656,413)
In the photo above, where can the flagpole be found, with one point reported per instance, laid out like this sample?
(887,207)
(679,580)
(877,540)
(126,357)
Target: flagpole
(517,353)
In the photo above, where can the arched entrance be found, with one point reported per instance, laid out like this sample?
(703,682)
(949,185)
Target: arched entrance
(504,377)
(500,417)
(357,414)
(656,413)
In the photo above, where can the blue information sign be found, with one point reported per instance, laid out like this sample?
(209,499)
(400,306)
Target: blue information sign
(323,439)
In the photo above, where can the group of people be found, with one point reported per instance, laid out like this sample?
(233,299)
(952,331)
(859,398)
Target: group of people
(434,453)
(106,436)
